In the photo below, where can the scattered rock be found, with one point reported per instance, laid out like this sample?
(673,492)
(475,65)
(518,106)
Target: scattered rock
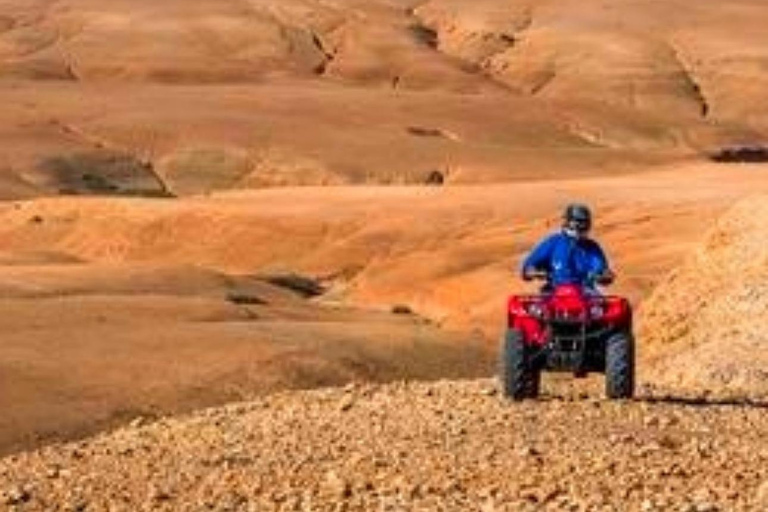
(138,422)
(401,309)
(435,178)
(346,403)
(741,154)
(245,299)
(337,486)
(491,391)
(159,495)
(528,451)
(16,496)
(304,286)
(419,446)
(652,421)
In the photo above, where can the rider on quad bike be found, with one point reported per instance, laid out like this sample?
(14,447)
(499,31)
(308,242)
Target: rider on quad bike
(569,256)
(570,326)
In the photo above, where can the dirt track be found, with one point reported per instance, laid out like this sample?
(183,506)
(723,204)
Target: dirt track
(443,446)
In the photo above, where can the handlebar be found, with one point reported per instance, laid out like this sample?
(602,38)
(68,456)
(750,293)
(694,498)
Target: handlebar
(536,275)
(604,279)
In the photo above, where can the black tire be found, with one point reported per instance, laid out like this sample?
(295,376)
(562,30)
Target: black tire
(620,366)
(519,379)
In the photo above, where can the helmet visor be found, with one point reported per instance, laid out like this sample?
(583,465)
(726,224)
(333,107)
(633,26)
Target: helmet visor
(581,226)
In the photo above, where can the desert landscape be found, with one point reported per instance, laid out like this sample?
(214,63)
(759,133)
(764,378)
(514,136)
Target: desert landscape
(254,254)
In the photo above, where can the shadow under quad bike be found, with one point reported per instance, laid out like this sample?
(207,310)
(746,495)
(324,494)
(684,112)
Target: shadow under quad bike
(568,328)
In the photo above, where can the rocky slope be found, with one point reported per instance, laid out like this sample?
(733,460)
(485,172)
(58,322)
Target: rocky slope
(704,327)
(442,446)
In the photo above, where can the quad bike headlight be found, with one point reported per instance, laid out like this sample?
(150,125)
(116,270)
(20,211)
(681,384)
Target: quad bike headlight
(596,311)
(535,309)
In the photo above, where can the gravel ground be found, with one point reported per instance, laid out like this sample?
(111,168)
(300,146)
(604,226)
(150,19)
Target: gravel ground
(436,446)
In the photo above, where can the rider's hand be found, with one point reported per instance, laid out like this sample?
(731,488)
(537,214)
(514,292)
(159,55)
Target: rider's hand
(606,278)
(530,274)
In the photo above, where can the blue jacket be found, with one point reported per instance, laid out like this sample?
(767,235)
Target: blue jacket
(567,260)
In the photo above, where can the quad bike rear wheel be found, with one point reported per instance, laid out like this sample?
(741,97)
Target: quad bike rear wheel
(620,366)
(520,380)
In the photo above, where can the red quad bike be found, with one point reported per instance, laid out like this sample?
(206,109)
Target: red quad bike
(569,329)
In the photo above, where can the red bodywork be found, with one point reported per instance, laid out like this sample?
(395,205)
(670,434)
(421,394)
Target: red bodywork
(530,314)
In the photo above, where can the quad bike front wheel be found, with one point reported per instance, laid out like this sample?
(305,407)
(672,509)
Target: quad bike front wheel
(620,366)
(519,379)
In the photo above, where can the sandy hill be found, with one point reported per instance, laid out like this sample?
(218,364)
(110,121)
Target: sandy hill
(88,347)
(113,308)
(704,326)
(182,97)
(451,253)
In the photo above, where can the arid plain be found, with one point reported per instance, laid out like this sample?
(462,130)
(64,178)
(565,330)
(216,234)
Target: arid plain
(208,202)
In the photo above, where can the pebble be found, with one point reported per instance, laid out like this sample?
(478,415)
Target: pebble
(16,496)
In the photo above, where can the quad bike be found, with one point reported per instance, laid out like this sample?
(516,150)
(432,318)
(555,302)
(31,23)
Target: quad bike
(568,328)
